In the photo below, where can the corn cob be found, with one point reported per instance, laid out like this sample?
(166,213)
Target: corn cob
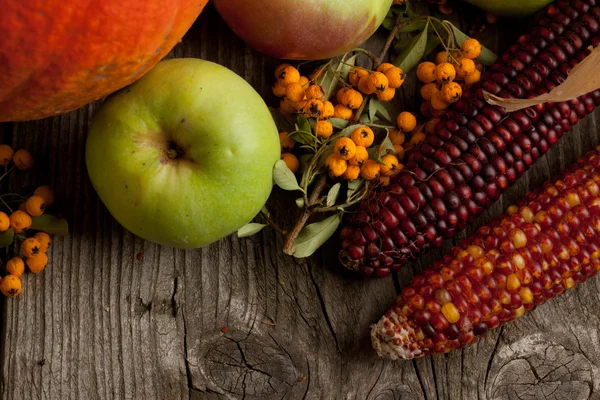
(532,253)
(478,150)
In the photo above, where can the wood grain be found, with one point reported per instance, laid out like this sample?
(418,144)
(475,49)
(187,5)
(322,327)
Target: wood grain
(115,317)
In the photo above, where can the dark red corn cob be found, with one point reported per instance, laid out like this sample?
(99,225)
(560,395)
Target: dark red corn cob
(478,151)
(547,244)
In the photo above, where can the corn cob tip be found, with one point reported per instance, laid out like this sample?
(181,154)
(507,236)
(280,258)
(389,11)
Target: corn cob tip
(393,338)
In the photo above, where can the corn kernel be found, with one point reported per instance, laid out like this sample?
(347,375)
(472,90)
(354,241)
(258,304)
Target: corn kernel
(475,251)
(512,209)
(540,217)
(442,296)
(592,187)
(518,261)
(526,295)
(512,283)
(573,199)
(451,312)
(569,284)
(518,238)
(519,312)
(527,214)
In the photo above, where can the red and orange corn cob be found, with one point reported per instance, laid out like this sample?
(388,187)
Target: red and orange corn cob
(479,150)
(535,251)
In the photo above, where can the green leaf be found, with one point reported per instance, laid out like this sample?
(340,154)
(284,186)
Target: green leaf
(50,224)
(432,43)
(333,193)
(411,56)
(487,57)
(250,229)
(372,109)
(303,133)
(416,25)
(283,125)
(389,22)
(364,119)
(305,160)
(314,235)
(300,202)
(385,146)
(383,109)
(7,237)
(284,177)
(353,186)
(339,123)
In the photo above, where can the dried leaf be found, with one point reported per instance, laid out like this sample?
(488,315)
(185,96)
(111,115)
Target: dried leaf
(314,235)
(411,56)
(487,57)
(333,193)
(284,177)
(582,79)
(250,229)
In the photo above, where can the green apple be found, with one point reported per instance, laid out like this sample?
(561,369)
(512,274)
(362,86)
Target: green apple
(511,8)
(184,156)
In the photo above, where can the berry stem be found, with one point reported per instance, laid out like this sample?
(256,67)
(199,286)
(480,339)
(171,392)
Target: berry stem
(308,211)
(273,224)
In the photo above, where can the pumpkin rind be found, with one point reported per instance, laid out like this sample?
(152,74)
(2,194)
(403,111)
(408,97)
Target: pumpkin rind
(56,55)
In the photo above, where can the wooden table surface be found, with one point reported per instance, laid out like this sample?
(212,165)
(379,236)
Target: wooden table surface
(238,319)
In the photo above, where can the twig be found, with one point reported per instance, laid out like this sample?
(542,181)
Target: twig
(291,237)
(273,224)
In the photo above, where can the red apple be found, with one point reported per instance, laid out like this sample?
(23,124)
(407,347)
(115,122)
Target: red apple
(303,29)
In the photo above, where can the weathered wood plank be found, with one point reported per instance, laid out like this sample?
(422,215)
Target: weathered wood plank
(239,319)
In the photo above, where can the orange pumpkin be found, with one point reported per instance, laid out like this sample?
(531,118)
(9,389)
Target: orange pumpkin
(57,55)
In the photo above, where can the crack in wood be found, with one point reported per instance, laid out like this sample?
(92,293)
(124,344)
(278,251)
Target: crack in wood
(323,307)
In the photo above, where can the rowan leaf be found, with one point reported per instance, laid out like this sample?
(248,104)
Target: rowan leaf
(314,235)
(250,229)
(284,177)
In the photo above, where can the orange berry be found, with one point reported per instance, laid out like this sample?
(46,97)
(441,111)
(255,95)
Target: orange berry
(312,108)
(383,67)
(363,136)
(11,286)
(23,159)
(428,90)
(438,103)
(294,91)
(304,82)
(340,94)
(390,165)
(441,57)
(6,154)
(280,68)
(473,78)
(355,74)
(336,165)
(377,82)
(351,98)
(35,205)
(417,139)
(384,180)
(37,263)
(47,193)
(406,121)
(397,136)
(466,67)
(425,72)
(30,247)
(342,112)
(431,125)
(20,221)
(344,148)
(352,172)
(4,222)
(363,85)
(444,73)
(387,95)
(286,106)
(394,76)
(323,129)
(370,170)
(287,143)
(44,239)
(15,266)
(288,74)
(451,92)
(399,150)
(328,110)
(291,161)
(315,92)
(360,156)
(471,48)
(278,90)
